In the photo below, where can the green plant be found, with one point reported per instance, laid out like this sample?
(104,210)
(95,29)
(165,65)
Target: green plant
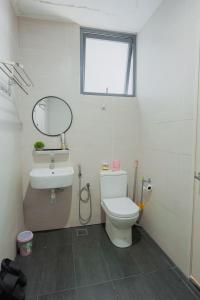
(39,145)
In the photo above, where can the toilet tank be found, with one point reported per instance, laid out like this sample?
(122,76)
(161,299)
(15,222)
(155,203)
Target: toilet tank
(113,184)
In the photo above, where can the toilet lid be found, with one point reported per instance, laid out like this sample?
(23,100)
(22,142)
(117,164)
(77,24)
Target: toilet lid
(121,207)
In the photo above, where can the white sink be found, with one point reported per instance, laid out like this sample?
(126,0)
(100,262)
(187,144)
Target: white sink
(46,178)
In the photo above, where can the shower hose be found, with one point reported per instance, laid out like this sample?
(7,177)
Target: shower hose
(84,200)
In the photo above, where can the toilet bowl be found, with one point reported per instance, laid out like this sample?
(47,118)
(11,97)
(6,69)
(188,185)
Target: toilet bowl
(121,215)
(121,212)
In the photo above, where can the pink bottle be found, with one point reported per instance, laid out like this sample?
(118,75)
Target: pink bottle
(115,166)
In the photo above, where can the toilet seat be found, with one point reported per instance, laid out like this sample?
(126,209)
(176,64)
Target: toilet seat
(121,207)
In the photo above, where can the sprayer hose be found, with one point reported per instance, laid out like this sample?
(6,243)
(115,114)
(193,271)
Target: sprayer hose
(85,200)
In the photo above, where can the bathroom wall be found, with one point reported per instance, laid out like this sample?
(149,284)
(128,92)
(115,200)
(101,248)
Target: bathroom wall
(11,218)
(51,52)
(167,69)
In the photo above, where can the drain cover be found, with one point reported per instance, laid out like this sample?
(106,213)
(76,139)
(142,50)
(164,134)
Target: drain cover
(81,232)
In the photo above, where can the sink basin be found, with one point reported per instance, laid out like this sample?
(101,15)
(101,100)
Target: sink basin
(45,178)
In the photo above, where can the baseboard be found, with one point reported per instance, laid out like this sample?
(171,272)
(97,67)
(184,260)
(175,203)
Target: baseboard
(193,280)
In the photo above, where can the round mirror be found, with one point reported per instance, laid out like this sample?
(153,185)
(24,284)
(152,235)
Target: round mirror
(52,116)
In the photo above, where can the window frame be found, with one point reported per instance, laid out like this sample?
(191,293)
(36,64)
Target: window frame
(131,39)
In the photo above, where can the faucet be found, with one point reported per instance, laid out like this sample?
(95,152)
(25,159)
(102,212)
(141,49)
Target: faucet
(52,163)
(62,141)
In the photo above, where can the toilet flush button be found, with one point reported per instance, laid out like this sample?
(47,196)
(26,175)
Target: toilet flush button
(103,107)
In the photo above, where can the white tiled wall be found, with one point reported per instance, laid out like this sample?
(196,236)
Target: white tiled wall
(163,115)
(167,65)
(11,218)
(51,53)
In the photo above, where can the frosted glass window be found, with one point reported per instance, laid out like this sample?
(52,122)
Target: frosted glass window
(107,63)
(130,81)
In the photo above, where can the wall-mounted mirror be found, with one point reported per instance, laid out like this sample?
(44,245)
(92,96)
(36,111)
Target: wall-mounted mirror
(52,116)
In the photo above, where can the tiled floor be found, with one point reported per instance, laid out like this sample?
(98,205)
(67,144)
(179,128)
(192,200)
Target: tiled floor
(65,266)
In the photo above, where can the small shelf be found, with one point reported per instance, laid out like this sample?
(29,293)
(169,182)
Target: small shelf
(51,152)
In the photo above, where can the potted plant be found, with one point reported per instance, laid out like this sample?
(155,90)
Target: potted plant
(39,145)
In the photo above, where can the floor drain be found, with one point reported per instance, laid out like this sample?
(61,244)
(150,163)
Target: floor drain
(81,232)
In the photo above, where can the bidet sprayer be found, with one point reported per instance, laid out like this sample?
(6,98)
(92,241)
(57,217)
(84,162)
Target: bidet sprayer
(79,171)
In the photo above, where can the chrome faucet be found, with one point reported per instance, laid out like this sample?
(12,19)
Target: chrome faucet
(62,141)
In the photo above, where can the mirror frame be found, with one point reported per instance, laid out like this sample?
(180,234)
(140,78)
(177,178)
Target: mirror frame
(52,135)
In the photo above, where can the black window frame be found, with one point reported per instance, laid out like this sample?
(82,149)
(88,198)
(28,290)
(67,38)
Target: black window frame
(131,39)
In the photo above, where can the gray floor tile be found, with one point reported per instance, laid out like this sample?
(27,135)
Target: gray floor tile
(68,295)
(90,267)
(121,262)
(99,292)
(52,238)
(187,282)
(135,288)
(49,269)
(147,258)
(168,283)
(142,257)
(62,261)
(161,285)
(154,247)
(98,233)
(95,233)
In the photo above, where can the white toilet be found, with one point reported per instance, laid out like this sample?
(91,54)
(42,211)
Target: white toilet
(121,212)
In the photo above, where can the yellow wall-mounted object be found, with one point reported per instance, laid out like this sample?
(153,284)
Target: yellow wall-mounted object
(141,206)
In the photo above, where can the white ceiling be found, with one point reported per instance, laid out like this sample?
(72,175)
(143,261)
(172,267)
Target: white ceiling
(118,15)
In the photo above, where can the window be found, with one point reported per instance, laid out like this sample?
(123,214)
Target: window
(108,62)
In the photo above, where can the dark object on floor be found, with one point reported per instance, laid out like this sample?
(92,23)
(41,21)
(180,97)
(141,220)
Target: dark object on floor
(13,268)
(12,281)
